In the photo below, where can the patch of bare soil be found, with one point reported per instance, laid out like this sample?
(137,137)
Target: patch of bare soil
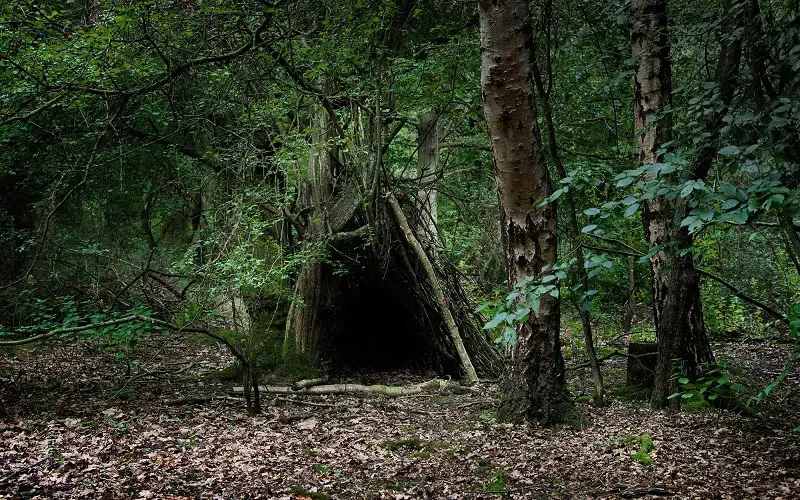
(78,424)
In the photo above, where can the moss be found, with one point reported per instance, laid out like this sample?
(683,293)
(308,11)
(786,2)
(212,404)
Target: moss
(497,483)
(302,492)
(397,486)
(276,355)
(414,443)
(421,454)
(643,458)
(632,393)
(267,351)
(696,404)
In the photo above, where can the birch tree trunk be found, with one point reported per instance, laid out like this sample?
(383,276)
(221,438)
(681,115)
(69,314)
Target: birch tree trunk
(677,308)
(533,387)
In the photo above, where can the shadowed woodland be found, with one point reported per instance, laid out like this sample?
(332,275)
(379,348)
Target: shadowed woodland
(399,249)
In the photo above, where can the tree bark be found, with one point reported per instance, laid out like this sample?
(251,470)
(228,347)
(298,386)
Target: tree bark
(306,321)
(533,387)
(677,308)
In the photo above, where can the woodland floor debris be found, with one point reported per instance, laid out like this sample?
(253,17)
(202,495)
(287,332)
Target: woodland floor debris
(71,433)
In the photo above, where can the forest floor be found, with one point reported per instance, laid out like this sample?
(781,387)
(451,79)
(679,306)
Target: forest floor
(76,425)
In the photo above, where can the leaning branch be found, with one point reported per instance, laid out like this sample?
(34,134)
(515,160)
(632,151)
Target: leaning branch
(744,296)
(128,319)
(447,315)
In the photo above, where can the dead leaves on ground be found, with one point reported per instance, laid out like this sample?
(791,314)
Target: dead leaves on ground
(70,442)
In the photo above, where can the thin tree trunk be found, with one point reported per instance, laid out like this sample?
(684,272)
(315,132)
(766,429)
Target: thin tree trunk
(428,171)
(534,387)
(677,307)
(627,312)
(575,237)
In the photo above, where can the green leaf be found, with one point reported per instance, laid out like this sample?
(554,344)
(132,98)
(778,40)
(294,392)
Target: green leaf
(728,204)
(712,397)
(495,322)
(683,380)
(591,211)
(632,210)
(625,182)
(687,395)
(589,228)
(729,151)
(737,387)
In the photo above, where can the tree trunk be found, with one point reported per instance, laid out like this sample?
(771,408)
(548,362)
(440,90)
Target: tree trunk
(677,308)
(306,321)
(429,174)
(628,308)
(533,387)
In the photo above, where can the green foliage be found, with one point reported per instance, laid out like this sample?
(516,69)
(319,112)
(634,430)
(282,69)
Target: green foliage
(638,447)
(713,387)
(517,306)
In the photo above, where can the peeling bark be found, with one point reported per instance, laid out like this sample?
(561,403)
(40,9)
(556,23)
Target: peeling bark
(533,387)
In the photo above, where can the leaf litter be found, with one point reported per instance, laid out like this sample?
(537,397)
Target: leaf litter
(69,432)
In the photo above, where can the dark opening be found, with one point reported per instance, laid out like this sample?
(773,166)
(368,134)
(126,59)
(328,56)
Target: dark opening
(379,325)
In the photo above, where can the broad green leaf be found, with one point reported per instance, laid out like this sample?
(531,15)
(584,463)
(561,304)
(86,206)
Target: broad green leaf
(729,150)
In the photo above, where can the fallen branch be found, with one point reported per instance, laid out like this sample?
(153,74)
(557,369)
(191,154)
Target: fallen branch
(305,384)
(606,358)
(305,403)
(433,386)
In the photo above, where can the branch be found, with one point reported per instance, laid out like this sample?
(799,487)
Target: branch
(711,276)
(35,112)
(743,295)
(51,333)
(464,145)
(128,319)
